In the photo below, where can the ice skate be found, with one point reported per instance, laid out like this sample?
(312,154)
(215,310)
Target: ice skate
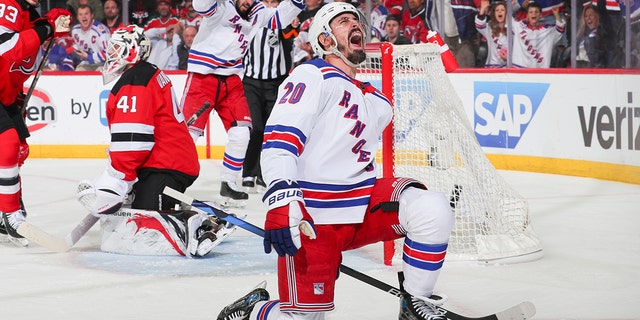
(248,182)
(3,232)
(412,308)
(241,308)
(9,225)
(232,196)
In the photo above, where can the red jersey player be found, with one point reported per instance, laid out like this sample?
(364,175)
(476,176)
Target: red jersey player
(22,31)
(150,149)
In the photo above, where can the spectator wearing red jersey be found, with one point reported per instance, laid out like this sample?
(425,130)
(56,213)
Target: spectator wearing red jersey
(164,32)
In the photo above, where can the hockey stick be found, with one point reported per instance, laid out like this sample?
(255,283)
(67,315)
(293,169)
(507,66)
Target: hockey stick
(54,243)
(32,87)
(41,237)
(521,311)
(195,116)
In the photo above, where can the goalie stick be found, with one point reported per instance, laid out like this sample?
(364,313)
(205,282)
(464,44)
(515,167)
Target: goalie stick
(54,243)
(522,311)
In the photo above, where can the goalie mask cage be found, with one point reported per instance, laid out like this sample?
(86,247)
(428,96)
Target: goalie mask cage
(431,140)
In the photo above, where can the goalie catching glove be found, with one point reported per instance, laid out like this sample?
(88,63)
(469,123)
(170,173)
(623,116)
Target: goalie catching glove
(286,218)
(59,21)
(105,194)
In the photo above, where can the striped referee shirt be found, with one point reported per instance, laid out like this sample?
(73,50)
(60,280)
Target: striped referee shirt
(269,56)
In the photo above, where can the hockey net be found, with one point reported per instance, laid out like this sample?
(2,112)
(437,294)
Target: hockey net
(431,140)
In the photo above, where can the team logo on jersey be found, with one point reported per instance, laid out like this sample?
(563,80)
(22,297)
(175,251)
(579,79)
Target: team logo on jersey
(26,66)
(503,110)
(40,111)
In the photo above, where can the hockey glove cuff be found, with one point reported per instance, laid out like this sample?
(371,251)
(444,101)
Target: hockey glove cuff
(103,195)
(286,219)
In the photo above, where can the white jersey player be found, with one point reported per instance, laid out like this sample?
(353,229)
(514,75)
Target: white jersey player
(324,198)
(214,69)
(533,43)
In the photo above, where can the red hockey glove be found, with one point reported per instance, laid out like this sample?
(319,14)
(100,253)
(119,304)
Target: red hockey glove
(60,21)
(286,218)
(23,153)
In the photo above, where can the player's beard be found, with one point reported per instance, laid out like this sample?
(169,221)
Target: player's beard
(244,14)
(356,57)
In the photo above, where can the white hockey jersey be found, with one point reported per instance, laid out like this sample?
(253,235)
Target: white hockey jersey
(494,44)
(223,37)
(94,41)
(533,46)
(324,133)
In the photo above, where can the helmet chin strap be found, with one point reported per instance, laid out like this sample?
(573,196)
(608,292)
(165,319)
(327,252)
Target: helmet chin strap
(334,50)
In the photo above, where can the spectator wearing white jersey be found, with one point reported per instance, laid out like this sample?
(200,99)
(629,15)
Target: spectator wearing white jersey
(215,66)
(266,64)
(189,16)
(491,22)
(91,38)
(534,42)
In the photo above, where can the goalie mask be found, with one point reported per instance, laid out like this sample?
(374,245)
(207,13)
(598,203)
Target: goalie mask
(127,45)
(320,26)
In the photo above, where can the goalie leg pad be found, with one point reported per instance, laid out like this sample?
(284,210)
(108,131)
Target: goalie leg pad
(143,232)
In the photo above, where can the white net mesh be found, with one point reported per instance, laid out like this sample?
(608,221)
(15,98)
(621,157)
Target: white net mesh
(434,143)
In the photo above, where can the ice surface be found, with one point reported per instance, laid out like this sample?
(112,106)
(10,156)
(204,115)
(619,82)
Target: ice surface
(590,231)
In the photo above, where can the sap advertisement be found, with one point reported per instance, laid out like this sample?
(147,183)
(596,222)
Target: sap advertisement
(593,117)
(586,117)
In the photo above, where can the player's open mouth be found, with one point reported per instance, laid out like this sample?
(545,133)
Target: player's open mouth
(356,38)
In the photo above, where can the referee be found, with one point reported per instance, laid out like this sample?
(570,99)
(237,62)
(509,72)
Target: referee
(266,64)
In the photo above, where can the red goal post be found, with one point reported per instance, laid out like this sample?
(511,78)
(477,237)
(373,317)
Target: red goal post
(430,139)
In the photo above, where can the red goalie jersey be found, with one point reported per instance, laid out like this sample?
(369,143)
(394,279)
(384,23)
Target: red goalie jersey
(148,129)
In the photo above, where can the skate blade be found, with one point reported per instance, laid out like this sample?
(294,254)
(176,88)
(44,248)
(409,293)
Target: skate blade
(227,203)
(18,242)
(255,190)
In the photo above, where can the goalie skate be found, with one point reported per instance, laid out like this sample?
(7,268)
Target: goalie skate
(209,232)
(232,196)
(241,308)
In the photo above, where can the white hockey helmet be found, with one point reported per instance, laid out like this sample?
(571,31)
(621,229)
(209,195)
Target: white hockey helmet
(322,19)
(127,45)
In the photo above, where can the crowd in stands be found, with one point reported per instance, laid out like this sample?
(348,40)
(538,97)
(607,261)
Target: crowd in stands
(476,31)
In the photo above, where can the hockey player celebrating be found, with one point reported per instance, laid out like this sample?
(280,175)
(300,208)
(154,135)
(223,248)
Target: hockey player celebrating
(324,198)
(22,31)
(150,148)
(214,68)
